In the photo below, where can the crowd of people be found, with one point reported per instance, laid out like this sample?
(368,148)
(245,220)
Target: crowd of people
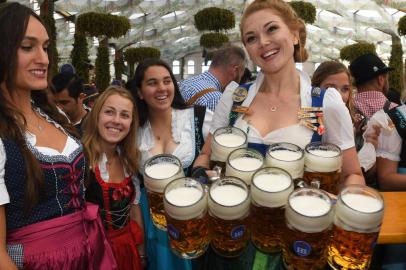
(71,159)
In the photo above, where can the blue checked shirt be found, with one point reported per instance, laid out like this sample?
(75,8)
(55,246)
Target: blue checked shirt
(193,85)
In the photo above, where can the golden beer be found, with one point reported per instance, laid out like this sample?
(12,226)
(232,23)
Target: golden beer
(225,140)
(309,217)
(229,216)
(358,218)
(243,163)
(323,164)
(270,189)
(287,156)
(185,205)
(158,172)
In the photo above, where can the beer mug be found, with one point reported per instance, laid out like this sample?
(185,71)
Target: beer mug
(185,204)
(270,189)
(358,217)
(225,140)
(309,216)
(323,164)
(243,163)
(229,205)
(287,156)
(159,170)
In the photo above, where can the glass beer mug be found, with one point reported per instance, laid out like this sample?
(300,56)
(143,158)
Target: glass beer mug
(159,170)
(287,156)
(185,204)
(229,203)
(358,217)
(270,189)
(323,163)
(243,163)
(225,140)
(309,215)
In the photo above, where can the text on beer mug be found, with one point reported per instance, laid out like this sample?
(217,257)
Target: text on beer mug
(185,205)
(357,221)
(159,170)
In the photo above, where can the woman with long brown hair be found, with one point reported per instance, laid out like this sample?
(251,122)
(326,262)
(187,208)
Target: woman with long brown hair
(110,144)
(45,222)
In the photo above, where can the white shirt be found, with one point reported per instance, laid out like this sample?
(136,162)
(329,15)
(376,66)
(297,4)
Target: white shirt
(337,119)
(183,134)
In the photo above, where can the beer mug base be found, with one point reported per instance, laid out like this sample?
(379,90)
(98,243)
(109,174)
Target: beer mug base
(192,254)
(229,254)
(268,249)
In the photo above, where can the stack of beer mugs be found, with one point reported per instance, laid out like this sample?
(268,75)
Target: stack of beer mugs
(257,203)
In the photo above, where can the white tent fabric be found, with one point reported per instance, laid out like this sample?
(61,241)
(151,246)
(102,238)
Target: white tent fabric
(169,24)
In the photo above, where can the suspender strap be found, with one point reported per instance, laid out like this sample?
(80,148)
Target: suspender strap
(397,115)
(238,99)
(317,101)
(386,106)
(198,95)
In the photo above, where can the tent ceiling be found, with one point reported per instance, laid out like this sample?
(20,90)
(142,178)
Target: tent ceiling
(169,24)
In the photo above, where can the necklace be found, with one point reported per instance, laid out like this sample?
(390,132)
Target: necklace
(274,108)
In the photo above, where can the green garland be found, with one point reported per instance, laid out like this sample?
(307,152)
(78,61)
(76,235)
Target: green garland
(119,66)
(136,55)
(305,10)
(100,24)
(402,26)
(102,68)
(214,19)
(350,52)
(213,40)
(80,56)
(396,62)
(51,29)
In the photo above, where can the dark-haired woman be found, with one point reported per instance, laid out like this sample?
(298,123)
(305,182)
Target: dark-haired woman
(42,166)
(167,125)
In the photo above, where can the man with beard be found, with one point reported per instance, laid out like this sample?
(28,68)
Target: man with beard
(371,80)
(205,89)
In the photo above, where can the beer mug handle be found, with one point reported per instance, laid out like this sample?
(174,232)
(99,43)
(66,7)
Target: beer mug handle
(217,174)
(300,183)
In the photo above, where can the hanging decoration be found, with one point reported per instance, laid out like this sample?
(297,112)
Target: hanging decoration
(350,52)
(306,11)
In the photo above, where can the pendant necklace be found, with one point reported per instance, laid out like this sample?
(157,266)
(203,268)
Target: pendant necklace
(274,108)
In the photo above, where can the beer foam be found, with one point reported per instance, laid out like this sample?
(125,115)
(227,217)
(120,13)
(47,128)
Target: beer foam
(322,161)
(362,203)
(277,184)
(228,195)
(223,144)
(360,212)
(310,206)
(309,213)
(288,160)
(272,182)
(184,203)
(183,196)
(162,170)
(230,140)
(229,202)
(285,155)
(246,163)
